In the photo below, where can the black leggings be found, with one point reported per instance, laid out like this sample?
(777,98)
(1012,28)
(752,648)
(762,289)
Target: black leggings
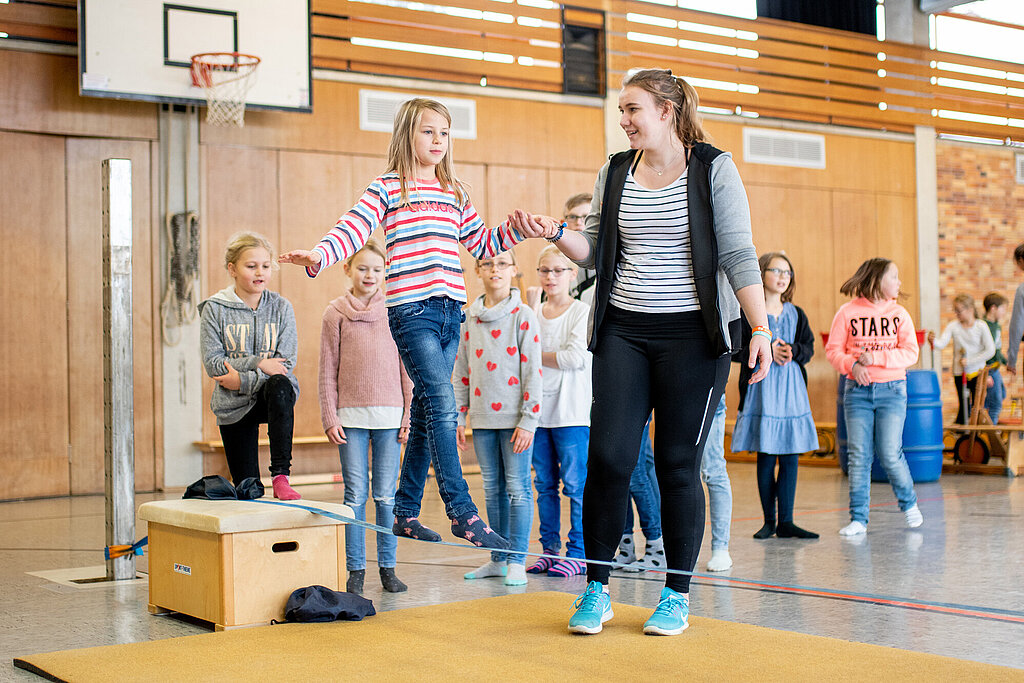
(634,371)
(275,406)
(782,489)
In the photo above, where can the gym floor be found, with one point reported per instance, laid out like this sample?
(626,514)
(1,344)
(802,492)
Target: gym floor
(968,553)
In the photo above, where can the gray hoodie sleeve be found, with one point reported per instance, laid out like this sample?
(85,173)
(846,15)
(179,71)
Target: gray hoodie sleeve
(736,253)
(1016,328)
(210,343)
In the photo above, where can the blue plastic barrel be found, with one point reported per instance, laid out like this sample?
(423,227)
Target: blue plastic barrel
(922,431)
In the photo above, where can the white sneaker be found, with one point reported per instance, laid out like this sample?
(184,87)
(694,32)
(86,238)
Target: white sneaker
(914,517)
(720,560)
(853,529)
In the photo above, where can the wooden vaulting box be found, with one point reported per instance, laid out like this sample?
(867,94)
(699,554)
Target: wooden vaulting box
(234,563)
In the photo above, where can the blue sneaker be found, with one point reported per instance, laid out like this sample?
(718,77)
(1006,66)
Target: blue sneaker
(593,608)
(671,616)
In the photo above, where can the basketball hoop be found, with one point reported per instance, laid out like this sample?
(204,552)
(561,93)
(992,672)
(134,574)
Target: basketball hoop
(226,77)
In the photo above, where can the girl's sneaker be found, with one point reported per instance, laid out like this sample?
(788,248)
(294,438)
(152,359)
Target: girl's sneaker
(516,575)
(672,615)
(854,528)
(914,517)
(567,568)
(593,608)
(543,564)
(654,557)
(626,554)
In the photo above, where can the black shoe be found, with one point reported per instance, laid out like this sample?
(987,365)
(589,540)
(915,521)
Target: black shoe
(766,531)
(355,581)
(391,583)
(790,530)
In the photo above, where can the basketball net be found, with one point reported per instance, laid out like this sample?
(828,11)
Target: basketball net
(226,78)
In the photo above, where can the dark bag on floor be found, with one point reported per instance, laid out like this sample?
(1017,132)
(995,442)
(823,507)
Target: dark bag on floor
(216,487)
(319,603)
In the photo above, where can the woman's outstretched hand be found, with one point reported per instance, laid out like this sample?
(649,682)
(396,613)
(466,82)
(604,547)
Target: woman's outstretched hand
(300,257)
(760,357)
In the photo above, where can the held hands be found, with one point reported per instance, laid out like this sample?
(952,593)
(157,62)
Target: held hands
(230,380)
(521,440)
(300,257)
(760,357)
(336,435)
(273,366)
(782,352)
(533,225)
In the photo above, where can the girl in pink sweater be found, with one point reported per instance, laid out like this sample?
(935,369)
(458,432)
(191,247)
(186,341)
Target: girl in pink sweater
(364,397)
(872,343)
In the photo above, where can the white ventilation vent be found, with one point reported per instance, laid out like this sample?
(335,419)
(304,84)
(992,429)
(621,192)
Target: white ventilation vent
(783,148)
(1019,159)
(377,110)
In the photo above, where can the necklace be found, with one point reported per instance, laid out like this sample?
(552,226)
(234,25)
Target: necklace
(663,168)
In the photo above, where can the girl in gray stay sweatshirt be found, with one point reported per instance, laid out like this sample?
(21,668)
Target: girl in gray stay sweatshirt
(498,385)
(249,346)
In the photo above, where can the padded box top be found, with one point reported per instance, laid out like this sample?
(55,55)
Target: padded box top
(235,516)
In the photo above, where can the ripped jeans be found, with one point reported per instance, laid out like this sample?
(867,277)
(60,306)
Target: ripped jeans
(508,491)
(355,471)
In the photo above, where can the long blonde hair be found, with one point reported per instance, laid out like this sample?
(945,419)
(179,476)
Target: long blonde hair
(665,87)
(402,159)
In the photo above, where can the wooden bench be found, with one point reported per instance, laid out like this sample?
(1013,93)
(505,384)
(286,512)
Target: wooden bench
(1013,449)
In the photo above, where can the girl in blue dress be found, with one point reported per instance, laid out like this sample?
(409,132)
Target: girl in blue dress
(774,417)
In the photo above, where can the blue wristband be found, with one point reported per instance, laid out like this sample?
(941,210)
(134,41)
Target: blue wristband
(558,235)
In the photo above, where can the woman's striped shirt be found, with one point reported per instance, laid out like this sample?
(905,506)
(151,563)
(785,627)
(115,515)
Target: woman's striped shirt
(655,269)
(421,238)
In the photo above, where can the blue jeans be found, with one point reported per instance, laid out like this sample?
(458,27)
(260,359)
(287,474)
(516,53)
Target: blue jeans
(874,423)
(355,470)
(508,492)
(560,453)
(643,489)
(427,336)
(995,396)
(715,476)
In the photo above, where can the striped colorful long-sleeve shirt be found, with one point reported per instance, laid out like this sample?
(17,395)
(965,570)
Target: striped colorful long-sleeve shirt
(421,238)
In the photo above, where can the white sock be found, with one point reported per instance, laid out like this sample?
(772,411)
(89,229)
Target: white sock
(854,528)
(516,575)
(913,516)
(720,560)
(488,570)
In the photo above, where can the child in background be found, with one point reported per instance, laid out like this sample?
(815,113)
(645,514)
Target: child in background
(716,477)
(774,417)
(644,493)
(249,346)
(995,310)
(364,397)
(560,443)
(972,347)
(582,287)
(426,213)
(498,386)
(872,341)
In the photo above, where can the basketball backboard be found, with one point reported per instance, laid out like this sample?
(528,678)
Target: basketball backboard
(141,50)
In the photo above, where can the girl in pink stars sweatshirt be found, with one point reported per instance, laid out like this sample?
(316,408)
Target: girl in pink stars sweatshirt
(498,386)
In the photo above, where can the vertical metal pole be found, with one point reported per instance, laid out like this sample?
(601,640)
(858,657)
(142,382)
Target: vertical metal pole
(118,394)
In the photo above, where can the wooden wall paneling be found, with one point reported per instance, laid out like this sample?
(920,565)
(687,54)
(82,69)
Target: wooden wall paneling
(240,194)
(897,238)
(41,95)
(34,385)
(85,311)
(314,191)
(510,188)
(564,183)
